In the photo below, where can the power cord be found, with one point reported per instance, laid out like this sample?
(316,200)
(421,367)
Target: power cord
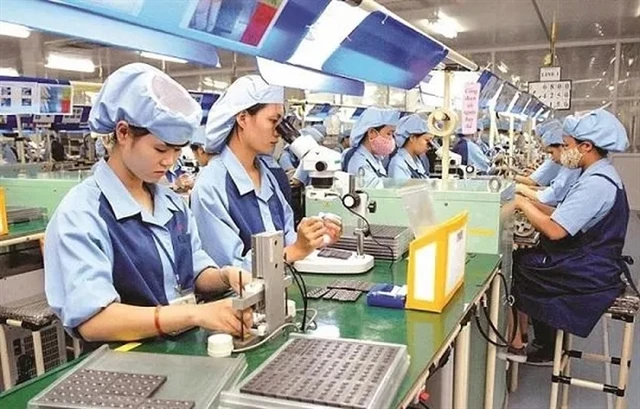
(302,286)
(375,240)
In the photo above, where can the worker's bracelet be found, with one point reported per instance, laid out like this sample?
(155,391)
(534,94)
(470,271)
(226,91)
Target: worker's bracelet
(156,321)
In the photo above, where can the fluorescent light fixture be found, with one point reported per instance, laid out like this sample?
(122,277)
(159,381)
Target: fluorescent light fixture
(444,25)
(324,36)
(210,82)
(503,67)
(161,57)
(9,72)
(14,30)
(69,63)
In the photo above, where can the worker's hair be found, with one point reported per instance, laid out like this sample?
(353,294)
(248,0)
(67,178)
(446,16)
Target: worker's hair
(602,152)
(194,146)
(252,110)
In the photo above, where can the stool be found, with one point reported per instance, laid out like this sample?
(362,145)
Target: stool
(624,308)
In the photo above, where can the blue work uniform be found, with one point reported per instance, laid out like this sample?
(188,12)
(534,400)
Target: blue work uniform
(280,175)
(9,155)
(545,172)
(568,284)
(229,210)
(425,163)
(559,187)
(404,166)
(472,155)
(288,160)
(101,238)
(374,170)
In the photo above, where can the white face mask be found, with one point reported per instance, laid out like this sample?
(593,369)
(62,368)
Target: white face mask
(570,158)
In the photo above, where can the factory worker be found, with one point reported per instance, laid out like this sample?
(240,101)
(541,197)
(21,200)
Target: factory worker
(238,196)
(573,276)
(8,154)
(413,141)
(549,169)
(343,141)
(471,152)
(288,161)
(197,147)
(372,141)
(122,251)
(560,185)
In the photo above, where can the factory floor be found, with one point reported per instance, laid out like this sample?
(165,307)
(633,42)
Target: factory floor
(535,382)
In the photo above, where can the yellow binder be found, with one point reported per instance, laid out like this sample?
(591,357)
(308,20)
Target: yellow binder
(436,265)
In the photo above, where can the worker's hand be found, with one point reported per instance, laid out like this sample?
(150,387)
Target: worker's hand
(232,274)
(184,182)
(520,188)
(220,316)
(333,224)
(311,231)
(520,201)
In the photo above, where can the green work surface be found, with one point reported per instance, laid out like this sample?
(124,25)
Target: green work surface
(24,229)
(425,334)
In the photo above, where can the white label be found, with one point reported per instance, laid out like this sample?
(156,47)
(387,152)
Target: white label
(425,273)
(550,73)
(470,108)
(456,258)
(554,94)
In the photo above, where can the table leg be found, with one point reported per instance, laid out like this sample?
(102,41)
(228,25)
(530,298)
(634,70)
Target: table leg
(490,376)
(37,352)
(461,367)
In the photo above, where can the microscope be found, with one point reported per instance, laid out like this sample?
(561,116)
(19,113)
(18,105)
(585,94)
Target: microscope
(328,183)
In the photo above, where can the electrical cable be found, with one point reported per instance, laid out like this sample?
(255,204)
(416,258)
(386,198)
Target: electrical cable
(375,240)
(476,317)
(302,288)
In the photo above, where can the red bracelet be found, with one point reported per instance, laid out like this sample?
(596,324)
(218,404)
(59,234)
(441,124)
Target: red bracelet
(156,321)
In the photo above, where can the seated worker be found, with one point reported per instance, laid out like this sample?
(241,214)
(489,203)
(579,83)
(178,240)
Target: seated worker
(237,196)
(121,249)
(573,276)
(343,141)
(560,185)
(413,141)
(471,153)
(372,141)
(548,170)
(288,161)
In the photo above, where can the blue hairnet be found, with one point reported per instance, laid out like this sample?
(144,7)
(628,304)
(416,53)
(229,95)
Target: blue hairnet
(320,128)
(144,96)
(198,137)
(503,124)
(372,118)
(313,132)
(407,126)
(346,134)
(600,127)
(550,132)
(244,93)
(484,123)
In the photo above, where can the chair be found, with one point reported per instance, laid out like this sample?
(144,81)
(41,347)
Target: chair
(625,308)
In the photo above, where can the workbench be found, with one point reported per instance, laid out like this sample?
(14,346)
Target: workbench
(24,232)
(428,335)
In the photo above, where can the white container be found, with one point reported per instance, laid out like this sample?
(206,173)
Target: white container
(220,345)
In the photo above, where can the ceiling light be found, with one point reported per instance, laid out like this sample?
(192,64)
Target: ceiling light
(14,30)
(9,72)
(444,25)
(631,60)
(69,63)
(503,67)
(611,87)
(161,57)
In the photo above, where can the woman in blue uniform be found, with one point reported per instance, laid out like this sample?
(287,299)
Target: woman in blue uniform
(413,141)
(573,276)
(122,255)
(371,142)
(237,195)
(548,170)
(471,153)
(566,178)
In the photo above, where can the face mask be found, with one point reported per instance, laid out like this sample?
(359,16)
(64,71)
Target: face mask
(382,146)
(570,158)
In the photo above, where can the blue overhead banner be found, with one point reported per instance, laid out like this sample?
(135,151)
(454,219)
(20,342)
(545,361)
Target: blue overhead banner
(489,86)
(322,35)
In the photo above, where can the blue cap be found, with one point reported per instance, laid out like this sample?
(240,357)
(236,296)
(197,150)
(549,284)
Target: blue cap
(146,97)
(198,137)
(346,134)
(244,93)
(484,123)
(600,127)
(407,126)
(372,118)
(313,132)
(320,128)
(550,132)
